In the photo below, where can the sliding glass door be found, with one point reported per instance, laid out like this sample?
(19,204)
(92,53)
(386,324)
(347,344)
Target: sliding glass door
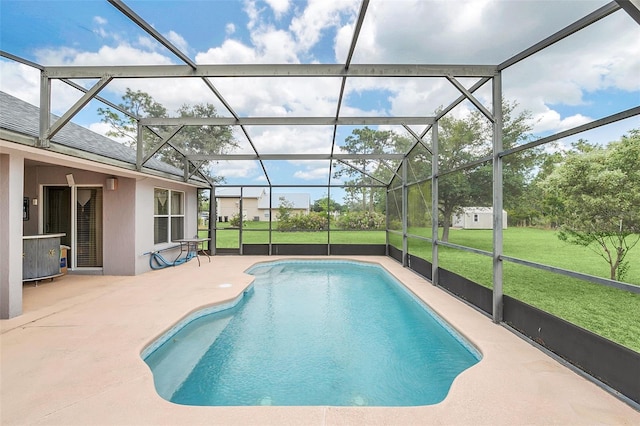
(81,223)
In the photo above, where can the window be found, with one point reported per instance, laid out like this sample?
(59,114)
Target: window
(168,215)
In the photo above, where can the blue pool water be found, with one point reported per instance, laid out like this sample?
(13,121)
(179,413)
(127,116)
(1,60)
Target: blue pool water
(313,333)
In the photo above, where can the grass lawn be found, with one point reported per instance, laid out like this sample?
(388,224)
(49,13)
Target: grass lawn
(257,233)
(609,312)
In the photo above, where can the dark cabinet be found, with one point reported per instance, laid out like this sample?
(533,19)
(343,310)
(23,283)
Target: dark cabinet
(40,257)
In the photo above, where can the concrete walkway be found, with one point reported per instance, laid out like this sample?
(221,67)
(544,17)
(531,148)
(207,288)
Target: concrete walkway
(73,358)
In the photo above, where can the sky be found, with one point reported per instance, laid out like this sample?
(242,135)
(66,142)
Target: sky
(587,76)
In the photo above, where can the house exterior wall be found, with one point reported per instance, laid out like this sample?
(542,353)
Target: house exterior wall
(250,209)
(127,216)
(144,194)
(227,208)
(119,209)
(127,212)
(11,193)
(118,212)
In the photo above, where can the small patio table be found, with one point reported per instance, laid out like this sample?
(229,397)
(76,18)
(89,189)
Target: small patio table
(192,245)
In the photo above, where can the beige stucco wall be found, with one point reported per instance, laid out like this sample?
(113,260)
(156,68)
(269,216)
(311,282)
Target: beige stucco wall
(144,219)
(127,218)
(118,211)
(11,184)
(127,213)
(227,207)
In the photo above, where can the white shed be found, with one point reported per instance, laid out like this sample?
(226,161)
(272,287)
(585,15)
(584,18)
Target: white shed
(476,218)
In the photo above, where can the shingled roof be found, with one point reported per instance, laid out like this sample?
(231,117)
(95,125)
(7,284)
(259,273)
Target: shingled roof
(21,117)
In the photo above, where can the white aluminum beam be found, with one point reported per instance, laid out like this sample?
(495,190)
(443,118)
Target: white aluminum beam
(84,100)
(293,157)
(272,70)
(471,98)
(285,121)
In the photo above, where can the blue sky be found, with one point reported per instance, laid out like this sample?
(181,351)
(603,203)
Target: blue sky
(587,76)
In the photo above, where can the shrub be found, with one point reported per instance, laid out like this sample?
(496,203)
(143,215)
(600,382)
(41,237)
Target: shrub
(362,221)
(235,221)
(304,222)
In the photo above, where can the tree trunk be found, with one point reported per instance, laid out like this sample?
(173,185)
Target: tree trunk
(371,200)
(445,229)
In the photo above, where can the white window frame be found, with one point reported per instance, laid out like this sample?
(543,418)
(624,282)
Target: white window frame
(170,214)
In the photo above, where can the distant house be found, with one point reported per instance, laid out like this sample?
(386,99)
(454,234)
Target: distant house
(255,204)
(476,218)
(300,204)
(228,203)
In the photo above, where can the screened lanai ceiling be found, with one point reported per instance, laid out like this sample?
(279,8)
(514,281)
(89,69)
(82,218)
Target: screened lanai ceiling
(296,79)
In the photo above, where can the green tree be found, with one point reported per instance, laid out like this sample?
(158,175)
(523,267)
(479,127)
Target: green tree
(285,207)
(326,205)
(368,141)
(189,140)
(460,141)
(139,104)
(597,193)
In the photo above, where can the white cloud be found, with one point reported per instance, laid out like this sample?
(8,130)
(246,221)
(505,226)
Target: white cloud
(318,17)
(230,28)
(550,120)
(21,81)
(123,54)
(236,169)
(292,139)
(99,20)
(230,52)
(103,129)
(178,41)
(252,12)
(279,6)
(312,174)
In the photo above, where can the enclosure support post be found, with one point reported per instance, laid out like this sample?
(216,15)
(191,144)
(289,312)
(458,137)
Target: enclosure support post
(497,199)
(270,219)
(386,233)
(214,235)
(405,190)
(240,219)
(45,110)
(328,221)
(139,147)
(434,204)
(213,220)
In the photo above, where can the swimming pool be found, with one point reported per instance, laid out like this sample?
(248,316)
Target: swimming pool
(319,332)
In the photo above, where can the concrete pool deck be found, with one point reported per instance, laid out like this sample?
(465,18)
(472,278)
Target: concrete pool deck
(73,358)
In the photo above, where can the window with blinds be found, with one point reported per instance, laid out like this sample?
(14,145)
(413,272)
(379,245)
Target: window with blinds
(168,215)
